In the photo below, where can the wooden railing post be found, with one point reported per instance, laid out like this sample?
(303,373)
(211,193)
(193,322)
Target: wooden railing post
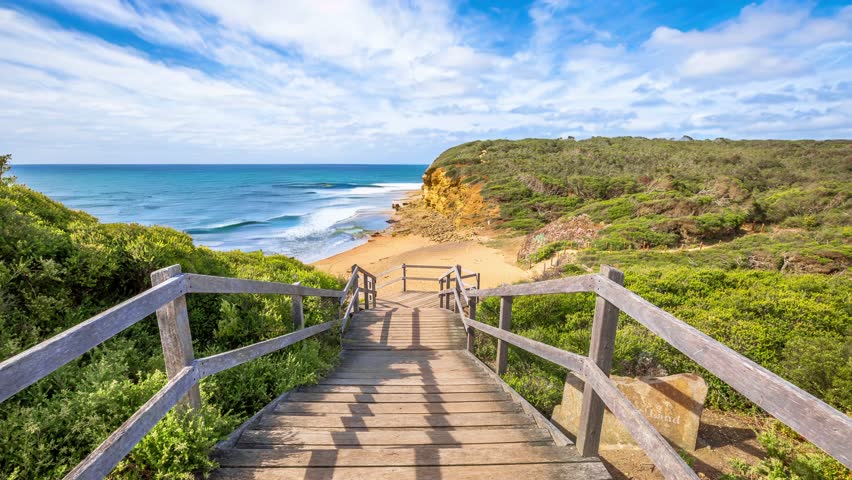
(470,331)
(355,291)
(175,336)
(602,345)
(298,313)
(366,291)
(404,281)
(505,324)
(441,289)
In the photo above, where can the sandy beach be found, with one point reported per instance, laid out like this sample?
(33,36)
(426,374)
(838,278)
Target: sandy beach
(495,261)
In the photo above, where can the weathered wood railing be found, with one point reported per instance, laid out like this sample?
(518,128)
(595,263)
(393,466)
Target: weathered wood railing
(167,298)
(353,290)
(815,420)
(405,277)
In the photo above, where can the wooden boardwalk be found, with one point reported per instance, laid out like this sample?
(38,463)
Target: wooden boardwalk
(406,402)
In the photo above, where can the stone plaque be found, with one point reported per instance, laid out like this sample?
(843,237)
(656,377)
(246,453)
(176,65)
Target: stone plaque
(672,404)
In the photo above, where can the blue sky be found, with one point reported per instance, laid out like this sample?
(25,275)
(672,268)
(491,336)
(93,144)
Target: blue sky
(301,81)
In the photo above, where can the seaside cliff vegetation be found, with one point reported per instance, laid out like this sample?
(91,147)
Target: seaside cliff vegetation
(748,241)
(59,267)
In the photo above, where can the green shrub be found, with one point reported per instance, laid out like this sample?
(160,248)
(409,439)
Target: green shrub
(59,267)
(788,459)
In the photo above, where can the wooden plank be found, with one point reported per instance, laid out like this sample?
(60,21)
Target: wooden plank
(353,280)
(505,325)
(402,358)
(103,459)
(815,420)
(542,471)
(426,279)
(400,457)
(211,284)
(428,374)
(471,333)
(367,289)
(663,455)
(234,436)
(404,381)
(406,370)
(405,347)
(33,364)
(216,363)
(406,339)
(175,335)
(404,275)
(276,421)
(569,360)
(602,345)
(400,364)
(558,437)
(581,283)
(298,313)
(312,408)
(478,388)
(394,438)
(398,397)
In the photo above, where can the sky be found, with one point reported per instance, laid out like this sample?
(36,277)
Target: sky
(354,81)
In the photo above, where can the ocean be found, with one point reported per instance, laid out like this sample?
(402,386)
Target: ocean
(308,212)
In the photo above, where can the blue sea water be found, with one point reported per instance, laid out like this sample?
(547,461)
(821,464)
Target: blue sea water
(306,211)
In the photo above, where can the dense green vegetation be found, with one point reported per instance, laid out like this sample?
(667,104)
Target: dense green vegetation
(59,267)
(748,241)
(667,194)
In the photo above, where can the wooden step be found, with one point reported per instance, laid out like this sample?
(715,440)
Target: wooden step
(312,408)
(406,381)
(385,374)
(540,471)
(394,437)
(402,388)
(398,397)
(396,457)
(405,402)
(401,421)
(454,346)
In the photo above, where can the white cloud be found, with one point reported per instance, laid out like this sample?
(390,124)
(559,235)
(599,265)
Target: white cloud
(330,79)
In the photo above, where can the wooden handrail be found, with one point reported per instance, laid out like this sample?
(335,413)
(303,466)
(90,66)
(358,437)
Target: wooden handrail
(166,298)
(814,419)
(210,284)
(216,363)
(33,364)
(578,284)
(649,439)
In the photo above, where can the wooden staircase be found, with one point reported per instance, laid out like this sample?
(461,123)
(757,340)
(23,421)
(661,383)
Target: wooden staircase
(409,400)
(406,402)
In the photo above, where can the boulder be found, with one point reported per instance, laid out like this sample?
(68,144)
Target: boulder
(673,404)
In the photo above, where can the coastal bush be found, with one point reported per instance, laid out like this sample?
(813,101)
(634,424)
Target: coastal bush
(59,267)
(767,316)
(788,459)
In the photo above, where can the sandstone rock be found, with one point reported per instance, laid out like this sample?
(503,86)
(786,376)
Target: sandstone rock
(672,404)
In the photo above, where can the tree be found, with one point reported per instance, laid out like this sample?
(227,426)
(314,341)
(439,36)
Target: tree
(4,167)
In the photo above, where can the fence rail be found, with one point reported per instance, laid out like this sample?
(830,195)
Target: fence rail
(815,420)
(405,277)
(167,298)
(818,422)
